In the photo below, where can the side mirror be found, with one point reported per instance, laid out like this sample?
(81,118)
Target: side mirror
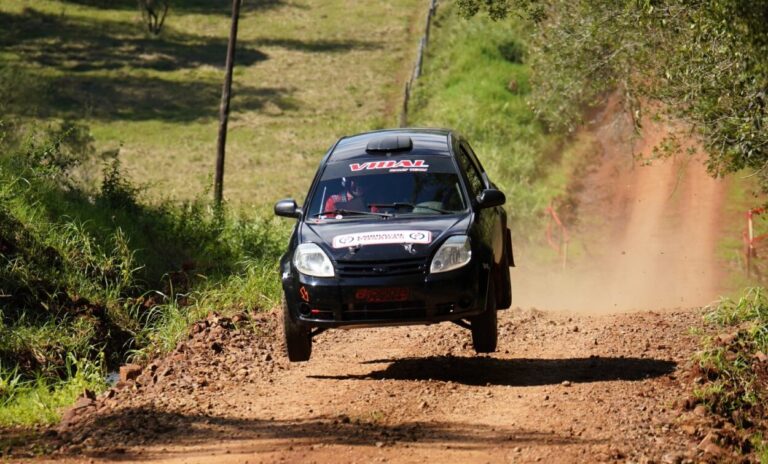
(287,208)
(489,198)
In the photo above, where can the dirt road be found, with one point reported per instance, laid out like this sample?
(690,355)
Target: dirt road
(563,388)
(596,383)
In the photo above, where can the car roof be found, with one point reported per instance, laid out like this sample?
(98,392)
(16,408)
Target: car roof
(435,142)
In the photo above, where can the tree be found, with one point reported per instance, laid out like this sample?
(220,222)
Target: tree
(226,92)
(707,59)
(154,12)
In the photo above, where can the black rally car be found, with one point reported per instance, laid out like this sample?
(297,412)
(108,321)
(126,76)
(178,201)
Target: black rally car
(399,227)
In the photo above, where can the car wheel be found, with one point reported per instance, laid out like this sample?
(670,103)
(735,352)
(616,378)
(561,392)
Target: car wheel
(298,341)
(485,326)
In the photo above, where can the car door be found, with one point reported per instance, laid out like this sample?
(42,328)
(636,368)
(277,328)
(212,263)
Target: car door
(493,220)
(484,219)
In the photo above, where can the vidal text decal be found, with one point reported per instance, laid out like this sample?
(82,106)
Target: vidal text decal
(391,165)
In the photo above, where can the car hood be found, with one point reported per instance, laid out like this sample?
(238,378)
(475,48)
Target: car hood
(384,239)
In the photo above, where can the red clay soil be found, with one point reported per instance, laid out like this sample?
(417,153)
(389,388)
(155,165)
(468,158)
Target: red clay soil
(648,228)
(595,384)
(561,389)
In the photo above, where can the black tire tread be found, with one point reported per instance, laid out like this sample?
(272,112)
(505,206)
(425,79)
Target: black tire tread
(485,331)
(298,340)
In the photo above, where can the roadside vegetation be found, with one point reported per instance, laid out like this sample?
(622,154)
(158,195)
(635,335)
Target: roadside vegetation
(733,372)
(91,277)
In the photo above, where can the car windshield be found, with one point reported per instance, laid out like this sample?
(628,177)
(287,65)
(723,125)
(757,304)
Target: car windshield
(379,188)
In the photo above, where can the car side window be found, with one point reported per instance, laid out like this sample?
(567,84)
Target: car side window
(473,175)
(486,181)
(473,156)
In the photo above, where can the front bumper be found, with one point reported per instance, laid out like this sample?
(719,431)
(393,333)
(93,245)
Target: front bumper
(431,298)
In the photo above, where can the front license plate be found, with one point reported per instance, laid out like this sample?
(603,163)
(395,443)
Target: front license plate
(379,295)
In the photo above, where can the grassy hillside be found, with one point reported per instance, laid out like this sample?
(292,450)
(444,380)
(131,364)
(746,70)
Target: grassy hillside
(306,74)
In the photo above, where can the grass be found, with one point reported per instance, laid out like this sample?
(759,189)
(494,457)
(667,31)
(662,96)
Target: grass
(40,401)
(305,75)
(735,377)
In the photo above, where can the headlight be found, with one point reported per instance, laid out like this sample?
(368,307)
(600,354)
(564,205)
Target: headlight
(453,254)
(310,259)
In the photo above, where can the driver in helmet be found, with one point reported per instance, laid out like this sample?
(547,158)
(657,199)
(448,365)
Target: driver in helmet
(352,196)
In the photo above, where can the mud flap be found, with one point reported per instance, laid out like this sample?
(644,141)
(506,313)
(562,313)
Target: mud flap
(508,243)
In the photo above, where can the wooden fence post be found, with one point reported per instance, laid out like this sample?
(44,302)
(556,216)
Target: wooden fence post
(226,92)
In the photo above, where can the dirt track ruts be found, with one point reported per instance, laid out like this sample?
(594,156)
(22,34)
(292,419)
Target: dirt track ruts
(562,388)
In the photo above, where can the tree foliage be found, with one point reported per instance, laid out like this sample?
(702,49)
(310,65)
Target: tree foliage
(707,59)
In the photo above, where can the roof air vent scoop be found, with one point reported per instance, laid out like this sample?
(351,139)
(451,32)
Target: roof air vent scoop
(390,143)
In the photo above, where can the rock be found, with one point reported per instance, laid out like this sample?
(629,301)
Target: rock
(217,347)
(129,372)
(566,383)
(83,402)
(727,339)
(709,445)
(688,429)
(68,417)
(199,327)
(379,444)
(700,410)
(671,458)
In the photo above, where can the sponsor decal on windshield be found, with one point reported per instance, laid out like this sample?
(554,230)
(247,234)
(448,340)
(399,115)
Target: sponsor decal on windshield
(382,238)
(391,166)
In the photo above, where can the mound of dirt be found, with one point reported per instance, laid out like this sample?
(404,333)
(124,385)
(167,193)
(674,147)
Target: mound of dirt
(219,352)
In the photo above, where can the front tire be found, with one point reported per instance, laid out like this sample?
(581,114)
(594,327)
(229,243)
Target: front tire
(485,332)
(298,340)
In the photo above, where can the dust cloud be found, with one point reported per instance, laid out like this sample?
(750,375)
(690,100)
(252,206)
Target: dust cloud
(649,230)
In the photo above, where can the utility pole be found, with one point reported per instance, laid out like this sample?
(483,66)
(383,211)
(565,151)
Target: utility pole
(226,92)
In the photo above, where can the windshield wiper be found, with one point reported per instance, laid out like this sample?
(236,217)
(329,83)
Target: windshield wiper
(398,205)
(351,212)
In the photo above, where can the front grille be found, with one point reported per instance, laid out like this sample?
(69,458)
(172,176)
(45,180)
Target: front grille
(410,266)
(384,311)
